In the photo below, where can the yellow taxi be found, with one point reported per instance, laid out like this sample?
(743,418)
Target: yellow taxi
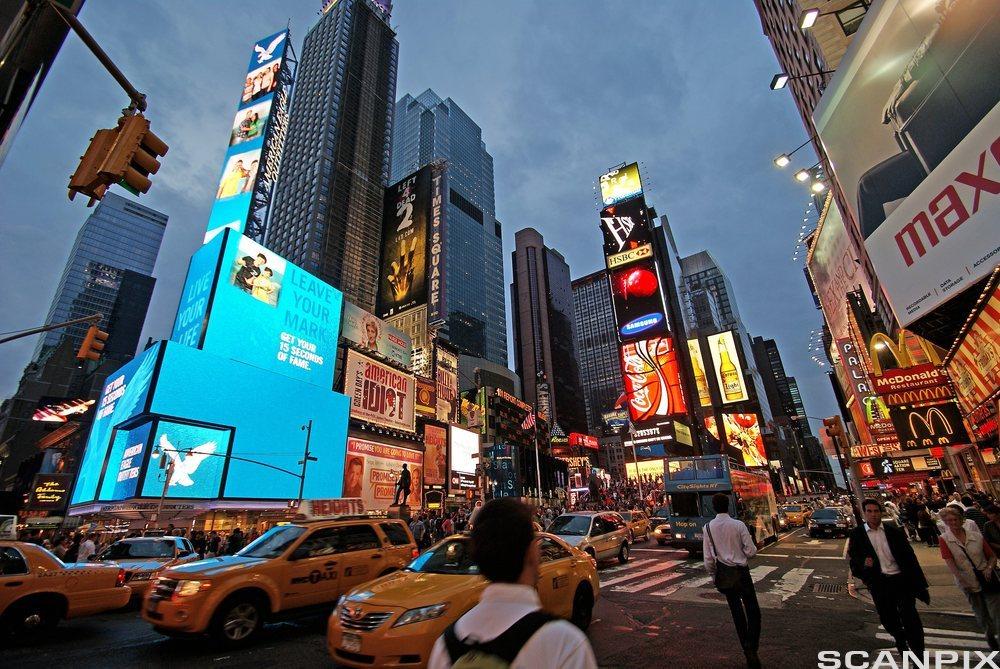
(797,514)
(394,620)
(37,589)
(638,524)
(290,569)
(143,558)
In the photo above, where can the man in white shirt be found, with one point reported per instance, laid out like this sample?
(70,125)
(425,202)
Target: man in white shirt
(508,622)
(727,540)
(87,548)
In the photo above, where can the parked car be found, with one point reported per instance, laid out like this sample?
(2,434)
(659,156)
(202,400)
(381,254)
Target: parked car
(602,534)
(143,558)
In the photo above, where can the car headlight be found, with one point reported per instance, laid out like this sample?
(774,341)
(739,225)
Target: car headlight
(421,614)
(188,588)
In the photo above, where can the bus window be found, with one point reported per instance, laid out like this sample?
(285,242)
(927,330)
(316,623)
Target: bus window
(681,470)
(710,469)
(684,504)
(706,505)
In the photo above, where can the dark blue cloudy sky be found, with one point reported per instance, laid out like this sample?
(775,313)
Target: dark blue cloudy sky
(563,89)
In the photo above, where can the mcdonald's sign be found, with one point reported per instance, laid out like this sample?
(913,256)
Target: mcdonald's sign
(929,426)
(903,349)
(931,394)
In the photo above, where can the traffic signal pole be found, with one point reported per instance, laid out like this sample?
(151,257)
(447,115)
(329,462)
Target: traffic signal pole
(93,319)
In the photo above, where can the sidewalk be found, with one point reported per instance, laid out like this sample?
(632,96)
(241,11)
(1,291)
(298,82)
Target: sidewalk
(945,595)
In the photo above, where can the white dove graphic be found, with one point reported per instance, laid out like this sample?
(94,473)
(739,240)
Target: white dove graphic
(185,467)
(263,54)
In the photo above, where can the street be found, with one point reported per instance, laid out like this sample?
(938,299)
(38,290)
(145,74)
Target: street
(659,605)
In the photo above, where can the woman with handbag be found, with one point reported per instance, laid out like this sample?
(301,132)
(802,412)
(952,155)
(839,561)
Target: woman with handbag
(973,564)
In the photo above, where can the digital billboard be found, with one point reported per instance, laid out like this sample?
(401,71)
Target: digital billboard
(373,469)
(743,432)
(426,402)
(128,452)
(204,266)
(195,454)
(620,184)
(379,394)
(437,307)
(435,455)
(700,378)
(910,123)
(929,426)
(652,380)
(726,364)
(49,492)
(374,334)
(57,410)
(446,377)
(403,275)
(638,301)
(124,396)
(463,451)
(248,133)
(975,366)
(626,228)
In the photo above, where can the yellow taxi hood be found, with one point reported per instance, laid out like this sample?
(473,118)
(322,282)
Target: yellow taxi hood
(210,567)
(409,589)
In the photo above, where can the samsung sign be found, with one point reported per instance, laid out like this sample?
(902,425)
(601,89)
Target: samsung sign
(641,324)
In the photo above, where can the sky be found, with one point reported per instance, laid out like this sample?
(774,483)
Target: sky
(563,90)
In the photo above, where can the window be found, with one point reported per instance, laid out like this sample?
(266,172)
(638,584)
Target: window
(358,538)
(321,542)
(684,504)
(396,533)
(851,16)
(12,562)
(681,470)
(552,551)
(709,469)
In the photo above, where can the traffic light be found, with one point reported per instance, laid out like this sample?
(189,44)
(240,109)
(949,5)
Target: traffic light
(87,178)
(834,428)
(93,344)
(134,154)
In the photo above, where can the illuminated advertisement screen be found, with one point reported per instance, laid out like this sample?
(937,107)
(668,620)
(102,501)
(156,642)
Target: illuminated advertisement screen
(620,184)
(975,367)
(60,411)
(374,334)
(464,454)
(197,456)
(379,394)
(267,312)
(50,492)
(372,471)
(247,135)
(726,363)
(652,380)
(700,377)
(123,397)
(435,455)
(189,323)
(626,228)
(637,301)
(403,275)
(743,432)
(267,413)
(446,377)
(128,451)
(645,468)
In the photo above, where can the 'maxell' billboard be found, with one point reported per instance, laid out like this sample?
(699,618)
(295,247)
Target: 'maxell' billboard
(403,275)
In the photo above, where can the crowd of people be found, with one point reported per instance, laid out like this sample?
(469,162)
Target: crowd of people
(85,546)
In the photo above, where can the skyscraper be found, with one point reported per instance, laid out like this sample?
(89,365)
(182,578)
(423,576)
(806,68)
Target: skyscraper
(427,128)
(327,212)
(119,240)
(597,341)
(545,347)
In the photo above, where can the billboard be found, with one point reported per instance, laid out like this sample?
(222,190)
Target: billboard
(929,426)
(652,380)
(58,410)
(435,455)
(463,451)
(403,273)
(626,228)
(908,121)
(242,163)
(374,334)
(426,402)
(743,432)
(125,459)
(975,366)
(197,453)
(372,470)
(446,377)
(49,492)
(245,302)
(638,301)
(620,184)
(437,308)
(700,378)
(379,394)
(726,364)
(645,468)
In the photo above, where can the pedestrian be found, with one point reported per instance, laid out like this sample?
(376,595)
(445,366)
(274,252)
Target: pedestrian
(73,552)
(883,558)
(508,626)
(418,529)
(727,547)
(973,564)
(87,548)
(927,526)
(992,530)
(214,541)
(973,513)
(235,542)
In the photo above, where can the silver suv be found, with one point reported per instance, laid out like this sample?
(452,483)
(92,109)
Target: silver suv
(602,534)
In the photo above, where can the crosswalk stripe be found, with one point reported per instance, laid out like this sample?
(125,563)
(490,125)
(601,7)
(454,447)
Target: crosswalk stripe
(938,630)
(758,573)
(651,583)
(642,572)
(625,567)
(791,582)
(943,642)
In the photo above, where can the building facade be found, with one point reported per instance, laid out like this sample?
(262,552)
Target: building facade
(327,211)
(428,128)
(600,369)
(545,346)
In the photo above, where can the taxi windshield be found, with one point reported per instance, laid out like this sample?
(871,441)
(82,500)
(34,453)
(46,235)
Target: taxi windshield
(449,557)
(792,508)
(138,549)
(274,542)
(571,526)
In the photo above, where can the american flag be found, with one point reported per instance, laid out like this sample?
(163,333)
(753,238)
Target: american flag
(529,422)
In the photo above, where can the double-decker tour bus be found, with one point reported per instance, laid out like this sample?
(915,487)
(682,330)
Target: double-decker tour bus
(690,483)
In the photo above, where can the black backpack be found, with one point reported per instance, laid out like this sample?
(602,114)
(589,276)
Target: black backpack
(499,651)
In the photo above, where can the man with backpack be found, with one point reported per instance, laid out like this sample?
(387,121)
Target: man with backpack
(508,628)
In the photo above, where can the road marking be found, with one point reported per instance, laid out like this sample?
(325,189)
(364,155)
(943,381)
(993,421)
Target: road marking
(658,550)
(791,582)
(625,567)
(650,570)
(805,557)
(758,573)
(647,584)
(943,642)
(936,630)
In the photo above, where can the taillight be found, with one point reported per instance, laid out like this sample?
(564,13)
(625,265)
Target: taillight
(120,581)
(414,552)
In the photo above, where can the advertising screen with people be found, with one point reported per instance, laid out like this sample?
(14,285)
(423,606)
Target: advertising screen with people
(374,473)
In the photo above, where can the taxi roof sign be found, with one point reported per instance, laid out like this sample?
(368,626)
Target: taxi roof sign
(330,509)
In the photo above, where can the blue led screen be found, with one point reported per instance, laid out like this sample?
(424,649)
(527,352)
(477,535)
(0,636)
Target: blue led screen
(193,305)
(198,454)
(128,448)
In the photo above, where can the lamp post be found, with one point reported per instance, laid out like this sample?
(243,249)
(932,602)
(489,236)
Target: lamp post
(783,159)
(306,457)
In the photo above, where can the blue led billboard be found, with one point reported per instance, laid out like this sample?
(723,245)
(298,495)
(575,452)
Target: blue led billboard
(198,455)
(123,397)
(128,450)
(189,323)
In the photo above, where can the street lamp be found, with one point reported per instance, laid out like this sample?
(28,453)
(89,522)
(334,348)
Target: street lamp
(781,79)
(803,175)
(808,18)
(783,159)
(818,187)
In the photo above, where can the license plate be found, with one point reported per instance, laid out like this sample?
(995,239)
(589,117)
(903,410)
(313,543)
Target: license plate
(351,642)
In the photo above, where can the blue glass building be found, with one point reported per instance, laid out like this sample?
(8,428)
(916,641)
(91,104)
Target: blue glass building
(426,129)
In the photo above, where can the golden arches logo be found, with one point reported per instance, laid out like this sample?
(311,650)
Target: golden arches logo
(899,350)
(928,421)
